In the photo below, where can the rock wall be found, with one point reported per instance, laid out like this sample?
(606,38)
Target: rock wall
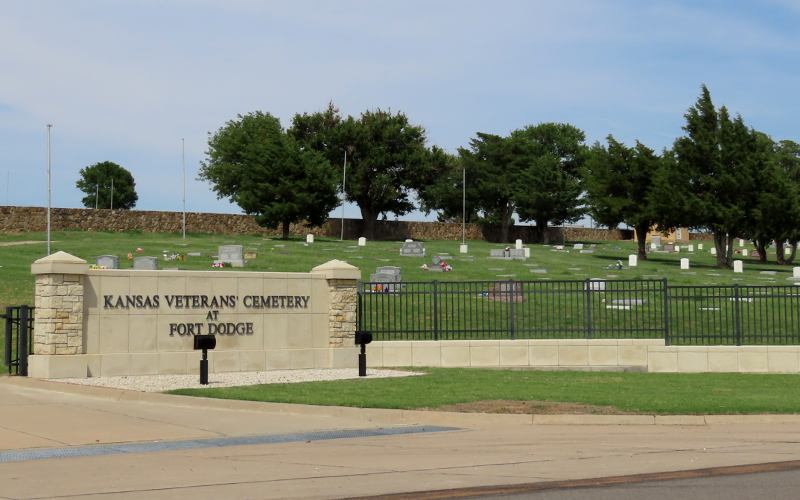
(27,219)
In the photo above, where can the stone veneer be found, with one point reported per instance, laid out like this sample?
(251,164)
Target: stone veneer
(58,328)
(343,296)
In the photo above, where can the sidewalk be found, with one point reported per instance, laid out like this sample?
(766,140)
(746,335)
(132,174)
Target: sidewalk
(290,458)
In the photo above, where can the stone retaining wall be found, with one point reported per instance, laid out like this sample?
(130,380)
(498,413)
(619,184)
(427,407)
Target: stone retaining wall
(27,219)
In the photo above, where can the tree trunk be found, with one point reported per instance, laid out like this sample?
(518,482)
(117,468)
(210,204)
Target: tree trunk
(761,246)
(729,254)
(505,224)
(719,244)
(779,252)
(285,235)
(542,235)
(792,254)
(368,217)
(641,240)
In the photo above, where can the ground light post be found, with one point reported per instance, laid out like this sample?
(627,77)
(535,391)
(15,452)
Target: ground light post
(49,183)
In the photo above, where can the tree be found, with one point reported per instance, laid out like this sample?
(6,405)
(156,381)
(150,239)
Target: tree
(714,164)
(265,171)
(386,157)
(619,182)
(546,159)
(103,180)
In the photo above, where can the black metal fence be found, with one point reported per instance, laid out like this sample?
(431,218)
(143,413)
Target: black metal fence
(18,342)
(710,315)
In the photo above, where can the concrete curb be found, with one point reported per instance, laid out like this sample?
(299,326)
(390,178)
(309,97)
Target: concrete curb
(379,415)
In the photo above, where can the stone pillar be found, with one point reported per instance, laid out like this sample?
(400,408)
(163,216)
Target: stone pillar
(58,328)
(343,299)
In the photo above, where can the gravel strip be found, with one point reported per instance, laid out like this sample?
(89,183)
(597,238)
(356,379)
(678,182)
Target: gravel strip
(161,383)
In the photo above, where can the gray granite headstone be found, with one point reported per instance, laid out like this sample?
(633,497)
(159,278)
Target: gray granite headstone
(412,249)
(108,261)
(145,263)
(231,254)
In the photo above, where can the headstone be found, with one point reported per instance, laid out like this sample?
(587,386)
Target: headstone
(738,266)
(231,254)
(108,261)
(690,248)
(586,250)
(518,244)
(558,247)
(408,240)
(684,263)
(595,285)
(677,248)
(412,249)
(578,246)
(385,279)
(699,246)
(194,254)
(463,249)
(527,252)
(796,272)
(669,247)
(633,260)
(506,291)
(309,238)
(653,246)
(656,240)
(741,242)
(145,263)
(362,242)
(713,250)
(251,254)
(744,252)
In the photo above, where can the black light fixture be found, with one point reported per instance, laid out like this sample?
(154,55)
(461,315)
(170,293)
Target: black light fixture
(204,342)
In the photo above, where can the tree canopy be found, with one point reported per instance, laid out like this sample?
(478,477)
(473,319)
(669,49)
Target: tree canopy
(268,173)
(107,185)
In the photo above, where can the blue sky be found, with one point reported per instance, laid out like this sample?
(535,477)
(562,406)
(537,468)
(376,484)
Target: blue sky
(126,80)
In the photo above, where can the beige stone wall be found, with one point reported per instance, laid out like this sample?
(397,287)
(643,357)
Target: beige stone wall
(645,355)
(343,310)
(58,328)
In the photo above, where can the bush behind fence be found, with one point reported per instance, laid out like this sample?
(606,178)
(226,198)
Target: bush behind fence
(601,309)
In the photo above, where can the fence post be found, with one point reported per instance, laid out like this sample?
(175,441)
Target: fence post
(666,312)
(588,287)
(736,316)
(7,353)
(22,340)
(435,310)
(511,316)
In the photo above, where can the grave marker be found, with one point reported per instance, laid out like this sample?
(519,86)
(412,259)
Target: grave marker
(699,246)
(506,291)
(145,263)
(309,238)
(738,266)
(231,254)
(796,272)
(108,261)
(578,246)
(684,263)
(412,249)
(744,252)
(463,249)
(362,242)
(690,248)
(713,250)
(633,260)
(518,244)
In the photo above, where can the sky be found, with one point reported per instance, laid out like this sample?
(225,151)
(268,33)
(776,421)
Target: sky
(126,81)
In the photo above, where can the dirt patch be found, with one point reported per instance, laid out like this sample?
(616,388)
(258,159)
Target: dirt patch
(531,407)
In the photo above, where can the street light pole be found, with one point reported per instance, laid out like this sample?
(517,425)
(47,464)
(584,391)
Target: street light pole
(49,183)
(183,164)
(344,193)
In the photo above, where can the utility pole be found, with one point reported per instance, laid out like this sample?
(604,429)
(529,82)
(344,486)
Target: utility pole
(49,183)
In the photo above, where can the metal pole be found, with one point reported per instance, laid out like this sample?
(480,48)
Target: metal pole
(49,190)
(344,193)
(96,194)
(183,164)
(112,193)
(463,204)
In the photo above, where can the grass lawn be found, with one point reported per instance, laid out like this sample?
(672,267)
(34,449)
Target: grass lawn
(649,393)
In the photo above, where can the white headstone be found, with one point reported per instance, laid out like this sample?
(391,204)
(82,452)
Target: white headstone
(737,266)
(684,263)
(409,240)
(653,246)
(713,250)
(462,248)
(690,248)
(518,244)
(578,246)
(699,246)
(633,260)
(741,242)
(309,238)
(796,272)
(527,252)
(362,242)
(744,252)
(677,248)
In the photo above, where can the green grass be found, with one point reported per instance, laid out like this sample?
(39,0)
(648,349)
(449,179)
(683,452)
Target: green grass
(649,393)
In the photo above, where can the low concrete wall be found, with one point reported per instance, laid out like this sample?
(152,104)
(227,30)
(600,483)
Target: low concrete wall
(645,355)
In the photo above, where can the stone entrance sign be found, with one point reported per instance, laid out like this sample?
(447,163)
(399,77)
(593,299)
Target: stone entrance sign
(103,322)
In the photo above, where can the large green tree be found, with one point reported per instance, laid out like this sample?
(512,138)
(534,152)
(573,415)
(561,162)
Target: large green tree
(268,173)
(386,157)
(619,184)
(107,185)
(712,183)
(546,161)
